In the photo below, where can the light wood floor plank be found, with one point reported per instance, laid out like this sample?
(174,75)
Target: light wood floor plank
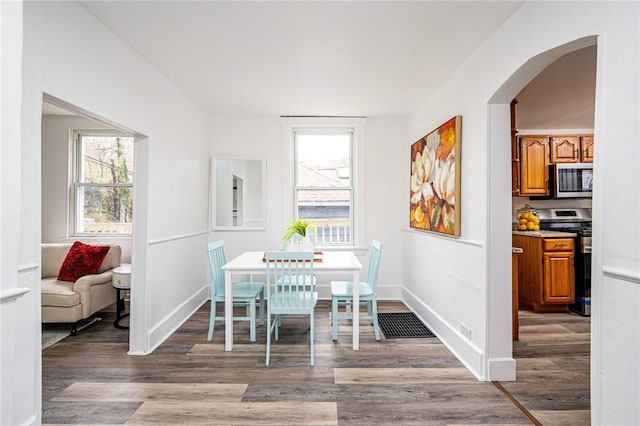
(563,417)
(105,391)
(383,376)
(237,413)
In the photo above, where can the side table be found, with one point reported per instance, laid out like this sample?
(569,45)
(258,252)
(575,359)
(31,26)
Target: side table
(121,281)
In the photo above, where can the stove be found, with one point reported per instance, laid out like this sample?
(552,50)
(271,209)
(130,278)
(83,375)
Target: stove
(577,221)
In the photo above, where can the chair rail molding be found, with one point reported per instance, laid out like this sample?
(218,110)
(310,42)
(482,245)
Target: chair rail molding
(177,237)
(13,293)
(621,274)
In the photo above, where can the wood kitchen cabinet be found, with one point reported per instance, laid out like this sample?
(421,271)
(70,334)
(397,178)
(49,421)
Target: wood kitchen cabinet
(534,162)
(565,149)
(571,149)
(515,153)
(546,278)
(586,146)
(531,156)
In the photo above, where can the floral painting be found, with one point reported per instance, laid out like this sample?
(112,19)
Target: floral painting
(435,180)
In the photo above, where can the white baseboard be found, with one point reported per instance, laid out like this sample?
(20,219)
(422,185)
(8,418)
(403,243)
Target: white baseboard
(501,369)
(468,353)
(165,328)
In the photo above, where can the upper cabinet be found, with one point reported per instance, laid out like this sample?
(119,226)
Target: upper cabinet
(586,148)
(571,149)
(565,149)
(515,153)
(534,159)
(531,156)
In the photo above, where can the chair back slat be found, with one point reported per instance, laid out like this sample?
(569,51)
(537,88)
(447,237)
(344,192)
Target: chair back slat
(217,259)
(374,265)
(289,278)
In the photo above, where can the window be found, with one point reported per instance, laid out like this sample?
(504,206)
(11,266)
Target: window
(324,181)
(102,183)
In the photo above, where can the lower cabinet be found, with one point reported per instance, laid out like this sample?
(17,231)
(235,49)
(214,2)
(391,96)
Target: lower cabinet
(546,278)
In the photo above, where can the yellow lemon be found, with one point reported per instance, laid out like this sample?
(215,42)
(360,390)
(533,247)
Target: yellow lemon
(536,227)
(530,225)
(522,227)
(523,221)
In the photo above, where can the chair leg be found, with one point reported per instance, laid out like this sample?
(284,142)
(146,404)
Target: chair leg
(212,320)
(312,333)
(334,318)
(374,318)
(262,307)
(277,322)
(268,338)
(252,320)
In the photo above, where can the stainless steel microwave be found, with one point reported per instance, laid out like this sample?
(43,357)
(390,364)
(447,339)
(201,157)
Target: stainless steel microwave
(572,180)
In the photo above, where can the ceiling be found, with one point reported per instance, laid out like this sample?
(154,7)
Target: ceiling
(562,96)
(356,58)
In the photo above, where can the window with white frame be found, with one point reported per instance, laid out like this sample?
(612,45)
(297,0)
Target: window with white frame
(325,178)
(102,183)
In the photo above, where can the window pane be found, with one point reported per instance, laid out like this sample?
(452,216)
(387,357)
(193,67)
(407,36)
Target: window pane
(323,160)
(329,211)
(104,210)
(106,159)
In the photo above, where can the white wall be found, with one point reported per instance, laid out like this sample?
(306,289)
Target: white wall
(71,56)
(448,294)
(384,209)
(56,163)
(19,320)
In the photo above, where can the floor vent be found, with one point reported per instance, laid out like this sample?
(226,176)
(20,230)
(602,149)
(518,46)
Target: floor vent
(402,325)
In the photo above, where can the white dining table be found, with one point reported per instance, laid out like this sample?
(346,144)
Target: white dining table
(251,262)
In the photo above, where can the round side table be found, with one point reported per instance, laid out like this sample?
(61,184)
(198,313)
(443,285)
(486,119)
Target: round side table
(121,281)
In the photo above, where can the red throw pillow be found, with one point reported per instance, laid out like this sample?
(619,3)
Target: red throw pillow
(82,259)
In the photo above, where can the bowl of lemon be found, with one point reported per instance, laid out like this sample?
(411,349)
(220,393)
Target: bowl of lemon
(527,219)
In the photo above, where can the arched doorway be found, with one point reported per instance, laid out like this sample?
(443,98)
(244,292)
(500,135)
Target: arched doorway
(499,231)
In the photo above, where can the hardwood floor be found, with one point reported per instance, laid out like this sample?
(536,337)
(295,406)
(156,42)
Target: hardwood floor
(89,379)
(553,367)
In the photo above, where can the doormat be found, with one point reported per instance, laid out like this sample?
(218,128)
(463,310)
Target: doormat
(401,325)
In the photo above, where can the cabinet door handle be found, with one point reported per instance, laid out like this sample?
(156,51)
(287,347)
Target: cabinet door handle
(560,245)
(577,153)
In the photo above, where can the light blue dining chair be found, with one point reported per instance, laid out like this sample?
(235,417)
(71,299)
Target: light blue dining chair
(244,293)
(289,292)
(342,294)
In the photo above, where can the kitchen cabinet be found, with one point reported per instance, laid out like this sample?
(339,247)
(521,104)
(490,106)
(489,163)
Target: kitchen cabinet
(515,153)
(546,277)
(534,162)
(565,149)
(586,146)
(531,156)
(571,149)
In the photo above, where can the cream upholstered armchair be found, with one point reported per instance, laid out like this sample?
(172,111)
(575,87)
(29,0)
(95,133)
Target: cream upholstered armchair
(72,301)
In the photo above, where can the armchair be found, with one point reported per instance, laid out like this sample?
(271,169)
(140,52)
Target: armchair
(70,302)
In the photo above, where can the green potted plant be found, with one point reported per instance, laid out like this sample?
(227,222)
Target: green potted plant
(300,227)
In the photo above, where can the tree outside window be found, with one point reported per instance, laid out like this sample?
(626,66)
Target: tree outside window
(103,183)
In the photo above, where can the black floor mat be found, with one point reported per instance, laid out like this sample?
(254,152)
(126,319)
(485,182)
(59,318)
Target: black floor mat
(403,324)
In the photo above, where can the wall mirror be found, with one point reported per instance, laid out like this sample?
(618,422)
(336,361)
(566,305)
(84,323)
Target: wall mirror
(238,199)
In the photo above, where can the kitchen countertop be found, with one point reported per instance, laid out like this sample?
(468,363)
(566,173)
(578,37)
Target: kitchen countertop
(545,234)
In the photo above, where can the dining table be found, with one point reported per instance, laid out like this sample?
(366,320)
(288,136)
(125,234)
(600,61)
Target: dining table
(325,263)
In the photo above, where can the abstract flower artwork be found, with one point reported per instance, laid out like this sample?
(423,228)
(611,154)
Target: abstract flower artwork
(435,180)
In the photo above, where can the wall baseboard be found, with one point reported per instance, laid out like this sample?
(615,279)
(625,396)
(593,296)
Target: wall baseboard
(469,354)
(165,328)
(501,369)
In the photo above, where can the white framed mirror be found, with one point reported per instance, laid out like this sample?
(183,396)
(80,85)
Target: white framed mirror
(238,192)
